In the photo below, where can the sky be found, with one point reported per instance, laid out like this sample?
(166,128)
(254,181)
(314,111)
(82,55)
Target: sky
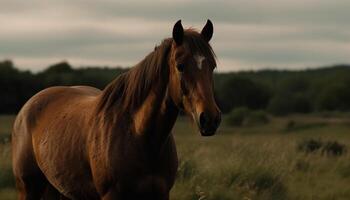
(248,35)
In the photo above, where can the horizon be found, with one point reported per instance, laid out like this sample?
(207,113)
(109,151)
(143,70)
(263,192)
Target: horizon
(247,35)
(74,67)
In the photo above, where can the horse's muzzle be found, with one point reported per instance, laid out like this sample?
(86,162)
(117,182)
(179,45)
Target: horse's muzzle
(208,124)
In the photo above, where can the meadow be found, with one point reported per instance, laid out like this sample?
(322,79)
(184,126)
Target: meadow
(277,160)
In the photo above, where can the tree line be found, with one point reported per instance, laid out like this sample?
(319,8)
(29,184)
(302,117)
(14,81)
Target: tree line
(280,92)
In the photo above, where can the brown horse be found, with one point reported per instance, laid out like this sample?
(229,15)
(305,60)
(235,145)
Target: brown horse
(83,143)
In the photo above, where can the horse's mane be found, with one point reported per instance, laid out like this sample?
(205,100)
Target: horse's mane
(132,87)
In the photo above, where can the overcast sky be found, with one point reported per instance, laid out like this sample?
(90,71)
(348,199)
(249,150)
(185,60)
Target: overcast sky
(252,34)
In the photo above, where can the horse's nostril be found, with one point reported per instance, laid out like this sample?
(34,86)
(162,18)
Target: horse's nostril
(209,123)
(202,119)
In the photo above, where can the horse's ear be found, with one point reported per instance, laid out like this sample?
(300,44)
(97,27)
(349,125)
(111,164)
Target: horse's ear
(178,33)
(207,31)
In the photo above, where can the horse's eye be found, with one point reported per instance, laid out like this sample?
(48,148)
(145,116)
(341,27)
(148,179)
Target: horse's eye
(180,67)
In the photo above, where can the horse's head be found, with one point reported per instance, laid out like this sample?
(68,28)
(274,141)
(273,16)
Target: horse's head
(192,62)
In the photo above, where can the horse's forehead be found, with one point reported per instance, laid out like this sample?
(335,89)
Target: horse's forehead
(199,60)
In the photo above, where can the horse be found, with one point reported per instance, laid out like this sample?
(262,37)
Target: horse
(79,142)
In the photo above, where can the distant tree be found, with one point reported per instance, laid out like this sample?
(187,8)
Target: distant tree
(61,67)
(335,97)
(294,85)
(281,92)
(237,116)
(280,105)
(286,103)
(242,92)
(15,87)
(302,104)
(291,95)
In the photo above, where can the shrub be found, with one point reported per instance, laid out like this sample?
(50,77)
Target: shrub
(237,116)
(279,105)
(309,145)
(329,148)
(257,118)
(333,148)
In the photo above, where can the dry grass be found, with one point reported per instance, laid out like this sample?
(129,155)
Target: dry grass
(260,162)
(263,162)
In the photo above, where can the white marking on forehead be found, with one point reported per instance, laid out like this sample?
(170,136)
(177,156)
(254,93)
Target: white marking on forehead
(199,60)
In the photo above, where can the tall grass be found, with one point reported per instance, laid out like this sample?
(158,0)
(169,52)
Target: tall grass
(262,163)
(7,184)
(258,162)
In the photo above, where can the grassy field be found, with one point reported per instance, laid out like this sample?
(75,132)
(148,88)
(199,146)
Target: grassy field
(257,162)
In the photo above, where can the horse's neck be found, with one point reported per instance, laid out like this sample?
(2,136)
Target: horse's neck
(150,122)
(163,123)
(157,115)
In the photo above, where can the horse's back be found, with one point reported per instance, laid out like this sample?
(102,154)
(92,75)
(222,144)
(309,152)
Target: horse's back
(31,140)
(38,104)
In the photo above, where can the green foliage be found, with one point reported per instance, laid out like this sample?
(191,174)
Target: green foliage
(309,145)
(333,148)
(286,103)
(290,92)
(242,92)
(237,116)
(243,116)
(258,117)
(16,87)
(335,97)
(279,92)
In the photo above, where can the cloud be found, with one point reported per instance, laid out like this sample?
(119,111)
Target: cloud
(248,34)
